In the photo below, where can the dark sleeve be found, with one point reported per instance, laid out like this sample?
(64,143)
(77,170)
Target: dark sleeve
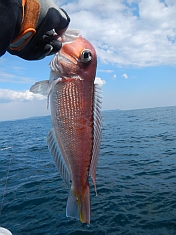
(10,22)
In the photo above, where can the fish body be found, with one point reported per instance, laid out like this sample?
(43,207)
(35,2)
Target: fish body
(75,103)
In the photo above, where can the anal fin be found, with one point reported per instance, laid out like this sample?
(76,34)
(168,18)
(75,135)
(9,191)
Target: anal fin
(57,157)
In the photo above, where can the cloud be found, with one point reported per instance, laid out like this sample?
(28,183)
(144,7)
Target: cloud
(114,76)
(99,81)
(12,78)
(7,95)
(125,76)
(127,33)
(105,71)
(19,110)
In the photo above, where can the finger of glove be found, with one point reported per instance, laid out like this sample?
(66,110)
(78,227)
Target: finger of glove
(50,33)
(47,39)
(54,20)
(56,46)
(42,52)
(48,49)
(64,22)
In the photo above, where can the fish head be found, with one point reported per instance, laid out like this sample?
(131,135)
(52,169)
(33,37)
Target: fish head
(75,60)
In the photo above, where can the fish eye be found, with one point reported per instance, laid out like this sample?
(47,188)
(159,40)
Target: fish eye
(86,56)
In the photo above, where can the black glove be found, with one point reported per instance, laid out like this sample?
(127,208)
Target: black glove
(52,22)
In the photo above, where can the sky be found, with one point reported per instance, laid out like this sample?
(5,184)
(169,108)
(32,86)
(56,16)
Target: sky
(135,42)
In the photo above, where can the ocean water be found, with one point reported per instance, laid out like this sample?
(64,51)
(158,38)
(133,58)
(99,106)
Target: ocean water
(136,177)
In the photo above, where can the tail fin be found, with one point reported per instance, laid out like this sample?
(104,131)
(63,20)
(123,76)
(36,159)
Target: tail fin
(78,206)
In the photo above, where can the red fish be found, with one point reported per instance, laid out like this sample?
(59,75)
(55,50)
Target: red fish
(75,102)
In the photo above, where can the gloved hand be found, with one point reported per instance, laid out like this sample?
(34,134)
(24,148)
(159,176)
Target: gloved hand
(52,22)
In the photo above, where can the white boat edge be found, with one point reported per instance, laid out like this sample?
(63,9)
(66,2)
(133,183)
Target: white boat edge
(4,231)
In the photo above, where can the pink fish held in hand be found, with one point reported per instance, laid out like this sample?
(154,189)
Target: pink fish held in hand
(75,102)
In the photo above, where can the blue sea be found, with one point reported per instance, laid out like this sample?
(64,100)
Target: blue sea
(136,177)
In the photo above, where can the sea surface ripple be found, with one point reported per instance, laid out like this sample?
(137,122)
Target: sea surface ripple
(136,177)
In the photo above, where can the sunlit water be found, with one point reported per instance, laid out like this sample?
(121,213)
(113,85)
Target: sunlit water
(136,177)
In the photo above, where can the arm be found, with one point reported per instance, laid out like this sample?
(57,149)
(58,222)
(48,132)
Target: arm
(36,38)
(10,22)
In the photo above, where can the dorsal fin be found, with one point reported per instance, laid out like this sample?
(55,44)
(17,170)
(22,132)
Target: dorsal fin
(96,132)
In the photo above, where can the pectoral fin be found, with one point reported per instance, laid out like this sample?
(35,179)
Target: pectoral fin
(44,87)
(41,87)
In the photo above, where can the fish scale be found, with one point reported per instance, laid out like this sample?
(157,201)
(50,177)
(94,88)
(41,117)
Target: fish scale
(68,117)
